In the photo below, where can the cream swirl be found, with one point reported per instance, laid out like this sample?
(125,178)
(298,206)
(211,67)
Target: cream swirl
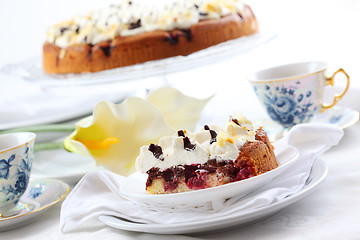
(186,148)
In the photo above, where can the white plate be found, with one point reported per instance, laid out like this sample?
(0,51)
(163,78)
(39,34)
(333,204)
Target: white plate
(134,186)
(43,108)
(32,69)
(317,175)
(39,196)
(61,164)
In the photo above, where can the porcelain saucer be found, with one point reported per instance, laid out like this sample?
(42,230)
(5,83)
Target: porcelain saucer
(339,116)
(39,196)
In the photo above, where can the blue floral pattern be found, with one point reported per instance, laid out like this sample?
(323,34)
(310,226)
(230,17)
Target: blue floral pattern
(21,175)
(36,191)
(335,119)
(5,167)
(287,105)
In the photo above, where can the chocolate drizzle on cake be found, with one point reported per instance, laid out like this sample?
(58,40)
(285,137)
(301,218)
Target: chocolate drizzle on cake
(90,51)
(213,134)
(241,17)
(173,36)
(57,60)
(188,35)
(188,145)
(156,151)
(107,49)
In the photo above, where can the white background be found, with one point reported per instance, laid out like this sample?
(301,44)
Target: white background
(306,30)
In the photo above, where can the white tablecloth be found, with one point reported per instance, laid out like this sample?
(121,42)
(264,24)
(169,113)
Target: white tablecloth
(307,30)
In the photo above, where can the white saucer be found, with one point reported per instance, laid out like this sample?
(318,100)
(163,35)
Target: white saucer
(339,116)
(44,108)
(317,175)
(133,186)
(39,196)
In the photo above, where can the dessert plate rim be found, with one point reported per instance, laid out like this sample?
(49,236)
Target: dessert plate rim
(317,175)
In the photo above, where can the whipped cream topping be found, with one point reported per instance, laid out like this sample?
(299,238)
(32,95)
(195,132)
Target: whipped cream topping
(138,16)
(187,148)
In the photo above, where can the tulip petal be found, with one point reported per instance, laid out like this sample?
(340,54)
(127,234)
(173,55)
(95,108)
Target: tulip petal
(135,122)
(180,111)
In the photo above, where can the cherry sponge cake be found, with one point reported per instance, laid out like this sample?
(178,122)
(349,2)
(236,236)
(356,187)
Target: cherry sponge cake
(138,31)
(208,158)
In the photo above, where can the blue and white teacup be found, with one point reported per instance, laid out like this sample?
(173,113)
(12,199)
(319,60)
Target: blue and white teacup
(293,93)
(16,156)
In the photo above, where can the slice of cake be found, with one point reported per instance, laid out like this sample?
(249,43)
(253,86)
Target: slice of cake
(137,31)
(209,158)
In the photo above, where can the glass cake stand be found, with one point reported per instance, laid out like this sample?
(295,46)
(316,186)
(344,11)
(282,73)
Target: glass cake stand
(126,79)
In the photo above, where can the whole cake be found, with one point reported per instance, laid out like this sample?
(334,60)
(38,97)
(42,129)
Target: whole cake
(209,158)
(138,31)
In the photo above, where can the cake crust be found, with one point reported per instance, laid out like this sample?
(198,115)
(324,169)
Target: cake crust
(129,50)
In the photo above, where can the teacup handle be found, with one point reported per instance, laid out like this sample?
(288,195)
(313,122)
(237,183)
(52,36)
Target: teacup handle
(330,81)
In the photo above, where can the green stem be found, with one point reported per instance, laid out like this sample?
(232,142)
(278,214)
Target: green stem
(42,128)
(48,146)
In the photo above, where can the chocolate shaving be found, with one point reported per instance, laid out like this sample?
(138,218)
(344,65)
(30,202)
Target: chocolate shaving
(156,151)
(235,121)
(63,29)
(134,25)
(188,145)
(203,14)
(213,134)
(181,133)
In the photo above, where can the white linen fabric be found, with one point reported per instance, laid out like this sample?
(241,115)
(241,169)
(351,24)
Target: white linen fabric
(99,192)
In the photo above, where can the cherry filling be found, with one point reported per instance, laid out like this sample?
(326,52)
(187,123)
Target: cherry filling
(245,173)
(199,180)
(196,175)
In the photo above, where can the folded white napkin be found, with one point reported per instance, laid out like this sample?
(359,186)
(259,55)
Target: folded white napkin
(99,192)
